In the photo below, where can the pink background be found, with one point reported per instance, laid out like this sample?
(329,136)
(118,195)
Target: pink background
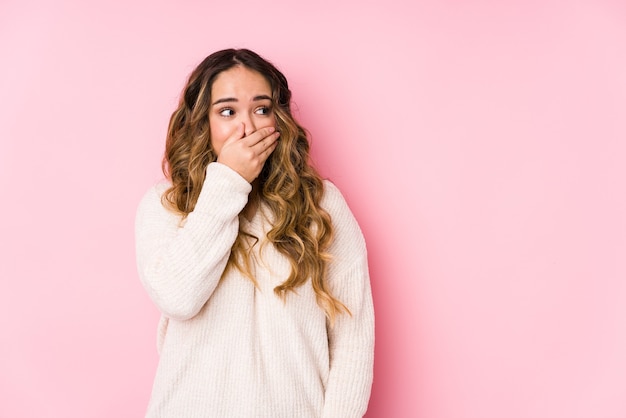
(480,144)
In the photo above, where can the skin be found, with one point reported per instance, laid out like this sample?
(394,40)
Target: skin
(242,122)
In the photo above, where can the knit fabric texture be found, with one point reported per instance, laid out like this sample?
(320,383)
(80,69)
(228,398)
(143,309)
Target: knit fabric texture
(229,348)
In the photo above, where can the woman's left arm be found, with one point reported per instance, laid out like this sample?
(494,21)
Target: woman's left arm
(351,338)
(351,345)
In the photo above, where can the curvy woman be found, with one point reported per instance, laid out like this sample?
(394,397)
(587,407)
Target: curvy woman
(255,262)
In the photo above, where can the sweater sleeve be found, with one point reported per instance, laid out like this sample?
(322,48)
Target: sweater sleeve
(180,265)
(351,339)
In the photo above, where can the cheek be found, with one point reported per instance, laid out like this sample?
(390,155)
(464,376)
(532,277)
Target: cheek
(274,121)
(266,122)
(219,134)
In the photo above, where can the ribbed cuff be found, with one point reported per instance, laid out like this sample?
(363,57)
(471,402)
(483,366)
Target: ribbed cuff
(224,191)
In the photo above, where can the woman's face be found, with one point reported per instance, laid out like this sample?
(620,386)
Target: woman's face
(239,95)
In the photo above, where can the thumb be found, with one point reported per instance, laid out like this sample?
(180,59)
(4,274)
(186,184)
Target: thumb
(237,134)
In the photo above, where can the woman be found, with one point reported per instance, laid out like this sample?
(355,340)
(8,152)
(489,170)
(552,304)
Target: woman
(257,265)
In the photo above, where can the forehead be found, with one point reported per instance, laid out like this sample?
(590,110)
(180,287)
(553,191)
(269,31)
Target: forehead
(240,81)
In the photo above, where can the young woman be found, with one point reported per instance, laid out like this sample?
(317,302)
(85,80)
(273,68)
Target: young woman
(257,264)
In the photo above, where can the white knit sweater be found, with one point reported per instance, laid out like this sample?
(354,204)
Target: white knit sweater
(230,349)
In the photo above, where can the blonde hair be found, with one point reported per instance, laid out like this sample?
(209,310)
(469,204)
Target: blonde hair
(290,187)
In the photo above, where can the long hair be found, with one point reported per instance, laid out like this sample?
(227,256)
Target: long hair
(290,187)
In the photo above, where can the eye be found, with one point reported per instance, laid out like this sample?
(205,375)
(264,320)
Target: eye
(263,110)
(227,112)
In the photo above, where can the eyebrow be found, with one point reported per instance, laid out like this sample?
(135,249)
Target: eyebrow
(232,99)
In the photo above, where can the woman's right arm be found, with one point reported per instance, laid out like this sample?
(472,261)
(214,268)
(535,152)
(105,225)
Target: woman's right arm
(180,266)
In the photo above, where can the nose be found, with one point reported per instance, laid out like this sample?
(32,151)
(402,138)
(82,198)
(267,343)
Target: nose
(249,126)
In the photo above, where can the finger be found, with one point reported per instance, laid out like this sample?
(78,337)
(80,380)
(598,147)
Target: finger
(264,155)
(266,143)
(259,135)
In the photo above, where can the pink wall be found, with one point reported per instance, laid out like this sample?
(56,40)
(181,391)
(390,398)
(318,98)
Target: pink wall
(480,145)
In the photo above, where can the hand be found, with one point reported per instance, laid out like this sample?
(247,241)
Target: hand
(247,155)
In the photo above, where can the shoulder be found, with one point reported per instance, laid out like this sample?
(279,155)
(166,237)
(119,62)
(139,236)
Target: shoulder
(346,228)
(151,203)
(333,201)
(154,193)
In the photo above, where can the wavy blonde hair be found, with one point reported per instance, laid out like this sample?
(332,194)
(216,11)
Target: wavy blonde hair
(290,187)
